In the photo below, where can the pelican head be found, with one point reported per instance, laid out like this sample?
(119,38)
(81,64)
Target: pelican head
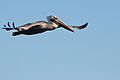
(54,20)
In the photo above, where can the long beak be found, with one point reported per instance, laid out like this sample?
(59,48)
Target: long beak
(64,26)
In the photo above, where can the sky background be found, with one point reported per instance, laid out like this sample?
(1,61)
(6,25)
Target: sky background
(89,54)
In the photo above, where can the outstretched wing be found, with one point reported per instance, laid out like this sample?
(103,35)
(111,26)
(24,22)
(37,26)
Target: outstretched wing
(12,27)
(9,27)
(35,25)
(25,26)
(81,26)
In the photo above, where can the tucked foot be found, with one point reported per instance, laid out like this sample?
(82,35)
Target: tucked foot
(16,33)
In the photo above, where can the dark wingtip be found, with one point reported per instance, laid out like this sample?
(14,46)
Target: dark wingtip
(9,24)
(4,25)
(13,25)
(85,25)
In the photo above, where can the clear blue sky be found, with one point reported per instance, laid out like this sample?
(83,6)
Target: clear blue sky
(89,54)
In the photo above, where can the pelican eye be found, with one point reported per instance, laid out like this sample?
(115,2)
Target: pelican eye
(52,20)
(55,17)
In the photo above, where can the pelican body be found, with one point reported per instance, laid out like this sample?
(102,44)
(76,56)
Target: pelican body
(52,23)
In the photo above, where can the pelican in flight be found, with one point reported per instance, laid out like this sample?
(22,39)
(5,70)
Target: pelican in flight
(52,23)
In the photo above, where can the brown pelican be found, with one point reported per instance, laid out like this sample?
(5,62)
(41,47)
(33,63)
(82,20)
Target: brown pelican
(41,26)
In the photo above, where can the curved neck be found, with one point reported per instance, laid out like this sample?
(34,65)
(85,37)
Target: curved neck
(53,24)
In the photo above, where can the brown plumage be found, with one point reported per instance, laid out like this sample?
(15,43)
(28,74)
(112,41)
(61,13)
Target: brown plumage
(41,26)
